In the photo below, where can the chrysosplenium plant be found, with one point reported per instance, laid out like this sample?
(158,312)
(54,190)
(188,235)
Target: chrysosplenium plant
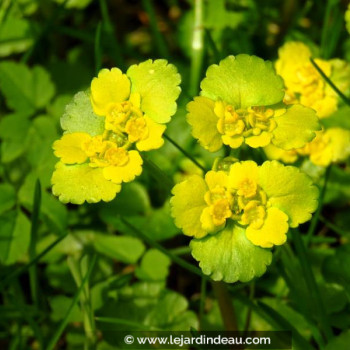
(240,210)
(107,127)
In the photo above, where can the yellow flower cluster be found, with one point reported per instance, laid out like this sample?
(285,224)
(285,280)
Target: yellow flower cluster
(266,199)
(106,128)
(303,82)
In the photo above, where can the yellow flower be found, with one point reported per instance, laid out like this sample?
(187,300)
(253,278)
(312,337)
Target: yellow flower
(329,146)
(266,200)
(123,111)
(241,102)
(111,98)
(103,156)
(303,83)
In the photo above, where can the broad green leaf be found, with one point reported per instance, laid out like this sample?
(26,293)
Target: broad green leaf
(72,183)
(132,200)
(336,268)
(26,90)
(41,135)
(341,342)
(243,81)
(295,128)
(229,256)
(334,297)
(219,17)
(122,248)
(154,266)
(59,305)
(52,211)
(7,197)
(290,190)
(79,116)
(146,306)
(14,134)
(14,236)
(15,35)
(156,223)
(158,84)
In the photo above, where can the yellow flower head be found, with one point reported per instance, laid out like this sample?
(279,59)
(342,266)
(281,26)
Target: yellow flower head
(123,111)
(241,102)
(329,146)
(304,84)
(266,200)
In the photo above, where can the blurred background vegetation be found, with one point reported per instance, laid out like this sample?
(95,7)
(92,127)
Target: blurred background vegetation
(143,276)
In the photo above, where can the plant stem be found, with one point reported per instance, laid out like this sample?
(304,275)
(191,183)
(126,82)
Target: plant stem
(329,82)
(65,320)
(33,272)
(225,304)
(197,47)
(202,301)
(186,154)
(76,269)
(316,216)
(312,285)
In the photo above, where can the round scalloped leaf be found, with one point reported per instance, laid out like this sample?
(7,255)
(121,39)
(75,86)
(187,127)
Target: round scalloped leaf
(295,128)
(79,183)
(243,81)
(230,256)
(290,190)
(79,116)
(158,84)
(203,120)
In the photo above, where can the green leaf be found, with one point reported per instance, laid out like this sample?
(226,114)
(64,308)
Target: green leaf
(122,248)
(155,223)
(59,305)
(296,127)
(336,268)
(341,342)
(26,90)
(229,256)
(72,183)
(7,197)
(158,84)
(15,35)
(146,306)
(13,132)
(14,236)
(79,116)
(243,81)
(132,200)
(338,186)
(53,212)
(154,266)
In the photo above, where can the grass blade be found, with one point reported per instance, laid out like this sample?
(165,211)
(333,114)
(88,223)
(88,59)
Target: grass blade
(64,322)
(33,273)
(329,82)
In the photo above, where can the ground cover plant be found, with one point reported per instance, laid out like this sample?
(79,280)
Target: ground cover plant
(174,165)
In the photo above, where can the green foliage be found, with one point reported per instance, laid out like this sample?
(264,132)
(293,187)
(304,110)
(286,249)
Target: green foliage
(144,277)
